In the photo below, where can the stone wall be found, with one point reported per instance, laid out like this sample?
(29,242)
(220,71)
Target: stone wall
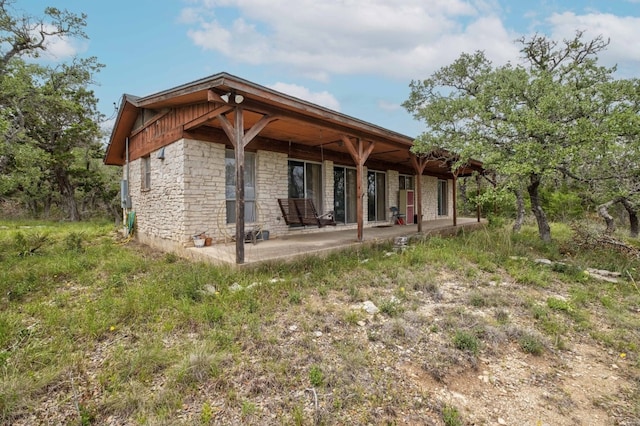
(429,194)
(160,210)
(187,194)
(204,195)
(393,185)
(271,184)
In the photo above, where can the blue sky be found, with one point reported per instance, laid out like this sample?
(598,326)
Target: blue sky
(354,56)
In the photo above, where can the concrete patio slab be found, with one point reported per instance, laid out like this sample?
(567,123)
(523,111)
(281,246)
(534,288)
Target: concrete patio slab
(294,246)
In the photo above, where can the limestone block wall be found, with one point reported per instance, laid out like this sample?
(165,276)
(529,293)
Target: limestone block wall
(160,209)
(271,184)
(187,194)
(393,185)
(430,198)
(429,189)
(327,182)
(204,195)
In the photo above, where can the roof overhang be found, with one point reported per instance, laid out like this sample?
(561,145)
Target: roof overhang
(298,121)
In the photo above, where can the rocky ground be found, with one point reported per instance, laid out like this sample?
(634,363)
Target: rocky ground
(382,353)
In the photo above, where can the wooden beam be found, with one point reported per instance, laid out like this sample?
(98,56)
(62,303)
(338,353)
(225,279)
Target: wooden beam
(150,122)
(229,130)
(239,155)
(419,164)
(197,122)
(239,139)
(455,201)
(359,154)
(214,97)
(478,197)
(257,128)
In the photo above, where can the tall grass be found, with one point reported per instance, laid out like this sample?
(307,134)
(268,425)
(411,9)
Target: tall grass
(73,300)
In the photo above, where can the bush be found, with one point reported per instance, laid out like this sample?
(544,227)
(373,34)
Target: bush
(465,341)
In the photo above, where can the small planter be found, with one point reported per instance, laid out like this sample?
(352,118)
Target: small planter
(199,242)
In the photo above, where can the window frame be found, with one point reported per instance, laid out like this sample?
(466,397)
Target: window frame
(443,197)
(380,199)
(403,179)
(318,195)
(145,178)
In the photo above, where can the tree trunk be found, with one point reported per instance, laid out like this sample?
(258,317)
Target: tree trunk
(519,210)
(536,207)
(68,194)
(603,212)
(633,217)
(47,206)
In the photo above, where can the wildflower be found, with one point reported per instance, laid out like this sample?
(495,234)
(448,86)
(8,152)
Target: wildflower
(112,328)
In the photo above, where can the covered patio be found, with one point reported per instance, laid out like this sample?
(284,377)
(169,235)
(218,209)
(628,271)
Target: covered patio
(292,247)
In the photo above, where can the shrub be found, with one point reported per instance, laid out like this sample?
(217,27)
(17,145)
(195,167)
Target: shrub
(315,376)
(531,344)
(451,416)
(465,341)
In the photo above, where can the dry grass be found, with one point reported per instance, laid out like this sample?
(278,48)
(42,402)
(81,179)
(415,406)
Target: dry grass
(93,332)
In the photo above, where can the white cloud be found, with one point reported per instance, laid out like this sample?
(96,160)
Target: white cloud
(59,48)
(402,39)
(388,106)
(623,32)
(323,98)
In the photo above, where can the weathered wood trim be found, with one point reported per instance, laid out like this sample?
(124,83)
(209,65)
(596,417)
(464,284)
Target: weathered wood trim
(141,148)
(359,155)
(455,202)
(228,129)
(239,155)
(196,122)
(158,117)
(257,128)
(419,164)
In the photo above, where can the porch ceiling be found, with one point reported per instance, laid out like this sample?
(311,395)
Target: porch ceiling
(298,122)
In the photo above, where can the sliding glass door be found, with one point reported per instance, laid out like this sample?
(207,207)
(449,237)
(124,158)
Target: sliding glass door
(344,195)
(305,181)
(377,196)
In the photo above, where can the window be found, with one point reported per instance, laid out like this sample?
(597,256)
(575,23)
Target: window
(443,196)
(344,195)
(249,186)
(146,173)
(305,181)
(377,192)
(405,182)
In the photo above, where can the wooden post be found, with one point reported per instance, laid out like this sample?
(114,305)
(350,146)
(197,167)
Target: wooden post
(455,202)
(419,163)
(239,139)
(239,155)
(359,155)
(478,197)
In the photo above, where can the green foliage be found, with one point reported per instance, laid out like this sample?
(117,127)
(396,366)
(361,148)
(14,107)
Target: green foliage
(555,114)
(451,416)
(206,414)
(49,125)
(531,344)
(391,307)
(315,376)
(563,205)
(149,333)
(466,341)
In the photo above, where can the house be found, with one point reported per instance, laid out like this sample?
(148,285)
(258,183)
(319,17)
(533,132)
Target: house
(215,155)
